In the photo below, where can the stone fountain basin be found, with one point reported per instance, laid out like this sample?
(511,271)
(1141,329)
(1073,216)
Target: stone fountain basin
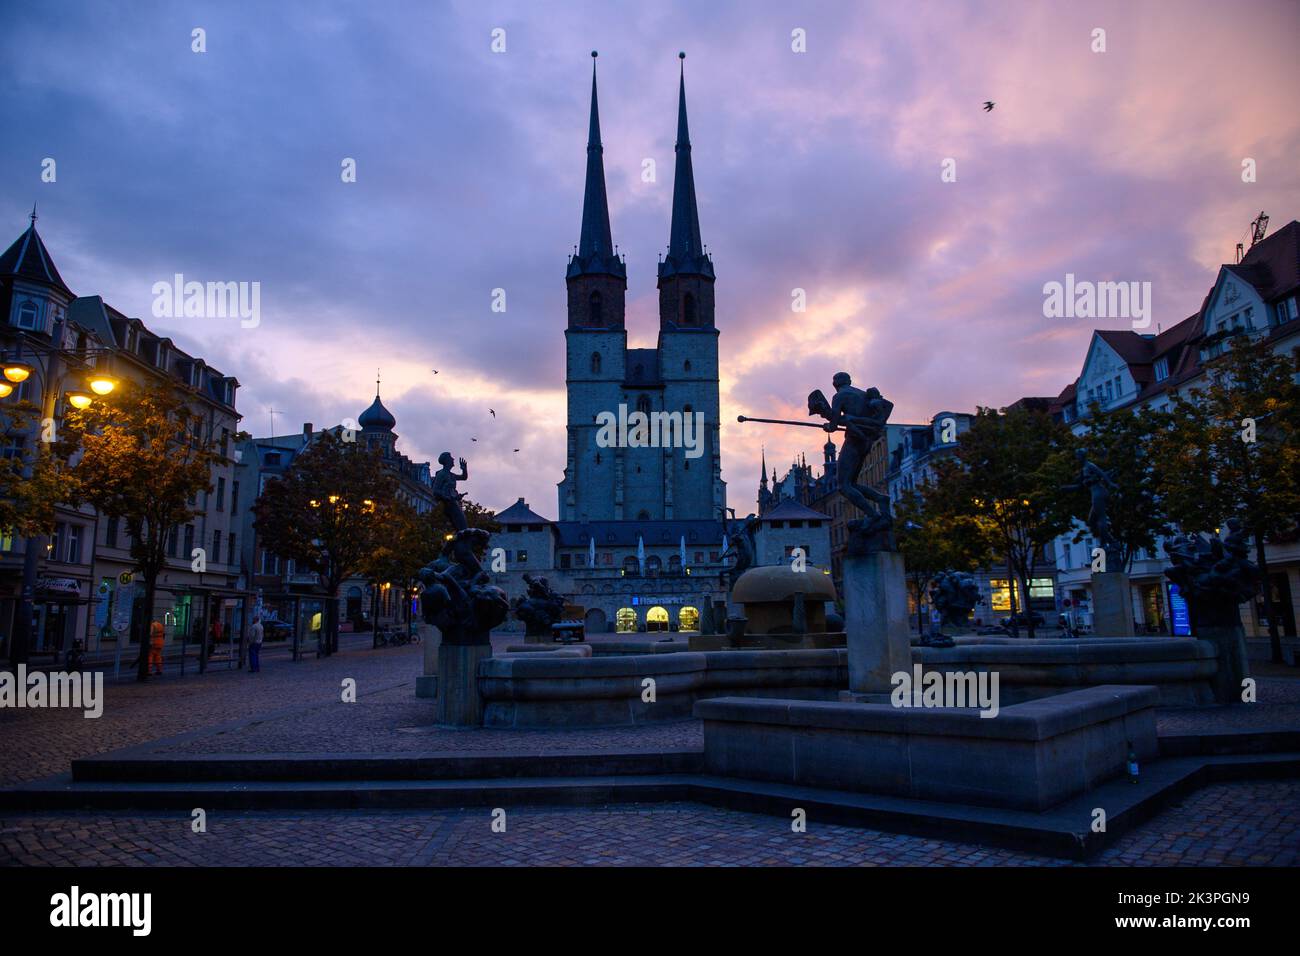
(547,690)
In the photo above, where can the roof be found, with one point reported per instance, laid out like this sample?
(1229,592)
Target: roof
(595,254)
(29,259)
(376,417)
(791,510)
(520,513)
(1272,265)
(686,255)
(701,531)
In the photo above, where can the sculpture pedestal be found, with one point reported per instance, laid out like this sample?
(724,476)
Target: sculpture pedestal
(459,703)
(1112,605)
(876,620)
(426,685)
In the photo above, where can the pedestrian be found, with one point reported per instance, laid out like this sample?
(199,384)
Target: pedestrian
(155,648)
(255,646)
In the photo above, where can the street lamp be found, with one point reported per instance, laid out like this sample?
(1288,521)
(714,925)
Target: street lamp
(79,399)
(5,389)
(17,372)
(101,384)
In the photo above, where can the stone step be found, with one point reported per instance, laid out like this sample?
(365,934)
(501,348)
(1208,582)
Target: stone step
(1063,831)
(132,767)
(1230,742)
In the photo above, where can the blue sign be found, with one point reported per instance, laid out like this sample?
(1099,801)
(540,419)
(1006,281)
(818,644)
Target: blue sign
(1178,609)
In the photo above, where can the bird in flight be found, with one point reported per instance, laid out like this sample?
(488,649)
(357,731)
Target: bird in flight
(493,411)
(988,105)
(473,439)
(516,449)
(435,371)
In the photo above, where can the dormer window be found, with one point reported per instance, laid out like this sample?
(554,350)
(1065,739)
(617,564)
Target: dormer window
(28,315)
(1162,369)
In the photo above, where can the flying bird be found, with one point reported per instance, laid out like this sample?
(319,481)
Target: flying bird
(493,411)
(516,449)
(988,105)
(473,439)
(435,371)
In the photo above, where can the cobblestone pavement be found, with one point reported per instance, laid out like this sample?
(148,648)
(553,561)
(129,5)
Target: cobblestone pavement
(37,743)
(1233,824)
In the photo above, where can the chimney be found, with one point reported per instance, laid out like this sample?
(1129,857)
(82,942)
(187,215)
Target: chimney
(307,429)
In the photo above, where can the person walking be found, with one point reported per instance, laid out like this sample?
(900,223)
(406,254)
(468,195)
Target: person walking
(255,646)
(155,648)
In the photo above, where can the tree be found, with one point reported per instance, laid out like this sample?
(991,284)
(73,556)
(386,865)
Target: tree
(34,475)
(1007,474)
(143,458)
(932,541)
(1233,451)
(324,514)
(1122,443)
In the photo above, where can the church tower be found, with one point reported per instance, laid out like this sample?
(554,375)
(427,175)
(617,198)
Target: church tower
(688,339)
(596,345)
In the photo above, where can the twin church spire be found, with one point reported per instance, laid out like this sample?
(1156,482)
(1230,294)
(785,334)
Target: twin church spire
(595,254)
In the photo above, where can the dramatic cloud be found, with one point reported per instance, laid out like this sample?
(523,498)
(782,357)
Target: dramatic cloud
(817,171)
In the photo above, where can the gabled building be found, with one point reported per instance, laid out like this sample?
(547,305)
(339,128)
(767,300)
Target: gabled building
(83,589)
(1256,298)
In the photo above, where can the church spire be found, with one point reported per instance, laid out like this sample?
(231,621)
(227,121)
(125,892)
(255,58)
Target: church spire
(595,245)
(685,248)
(762,471)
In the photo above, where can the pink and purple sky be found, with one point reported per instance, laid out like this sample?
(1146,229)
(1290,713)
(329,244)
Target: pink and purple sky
(817,170)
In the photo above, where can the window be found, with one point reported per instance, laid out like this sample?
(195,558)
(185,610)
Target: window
(230,549)
(234,497)
(1162,369)
(566,561)
(221,494)
(643,404)
(597,309)
(270,563)
(60,530)
(521,557)
(686,366)
(688,310)
(110,533)
(595,363)
(216,545)
(28,315)
(74,544)
(172,536)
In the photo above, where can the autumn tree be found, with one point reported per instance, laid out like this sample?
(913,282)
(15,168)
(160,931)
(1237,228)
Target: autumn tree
(144,456)
(1007,475)
(1233,451)
(34,473)
(932,541)
(324,514)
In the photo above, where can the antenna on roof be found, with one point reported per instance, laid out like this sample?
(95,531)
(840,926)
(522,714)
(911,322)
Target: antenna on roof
(1258,227)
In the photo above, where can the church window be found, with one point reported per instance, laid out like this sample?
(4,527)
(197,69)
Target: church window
(597,316)
(687,365)
(595,363)
(642,515)
(643,402)
(688,310)
(598,458)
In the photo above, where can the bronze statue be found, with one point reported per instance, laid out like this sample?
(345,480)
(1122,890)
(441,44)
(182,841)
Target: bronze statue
(863,415)
(444,490)
(540,608)
(1099,484)
(742,545)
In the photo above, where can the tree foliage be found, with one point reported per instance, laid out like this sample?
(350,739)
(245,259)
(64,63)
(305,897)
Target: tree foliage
(932,540)
(142,456)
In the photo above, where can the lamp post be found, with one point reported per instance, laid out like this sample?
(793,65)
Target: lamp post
(17,371)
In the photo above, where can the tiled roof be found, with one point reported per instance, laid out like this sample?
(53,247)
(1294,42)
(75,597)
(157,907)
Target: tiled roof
(29,258)
(789,510)
(520,513)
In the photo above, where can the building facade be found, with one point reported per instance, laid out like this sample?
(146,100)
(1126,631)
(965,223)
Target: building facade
(85,588)
(1255,298)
